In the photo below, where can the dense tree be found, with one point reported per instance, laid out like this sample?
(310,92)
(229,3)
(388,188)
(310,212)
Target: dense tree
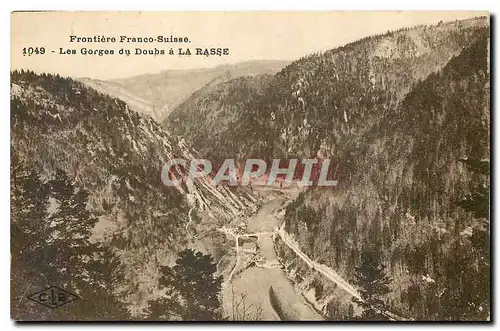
(28,212)
(51,230)
(373,284)
(478,201)
(89,149)
(192,289)
(467,292)
(416,185)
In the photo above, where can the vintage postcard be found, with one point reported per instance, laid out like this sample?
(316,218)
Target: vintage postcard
(250,166)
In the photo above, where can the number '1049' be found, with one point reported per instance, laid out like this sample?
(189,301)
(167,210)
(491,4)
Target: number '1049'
(33,50)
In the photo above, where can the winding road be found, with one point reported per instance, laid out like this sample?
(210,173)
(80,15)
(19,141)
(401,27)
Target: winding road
(254,282)
(258,279)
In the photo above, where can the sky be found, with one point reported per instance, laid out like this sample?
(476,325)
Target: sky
(248,35)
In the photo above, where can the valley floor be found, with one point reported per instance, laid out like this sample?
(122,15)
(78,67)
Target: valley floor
(254,282)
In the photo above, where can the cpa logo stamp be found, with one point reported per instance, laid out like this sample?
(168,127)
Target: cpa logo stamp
(53,297)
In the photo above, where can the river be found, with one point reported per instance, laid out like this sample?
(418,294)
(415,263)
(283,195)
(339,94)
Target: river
(254,283)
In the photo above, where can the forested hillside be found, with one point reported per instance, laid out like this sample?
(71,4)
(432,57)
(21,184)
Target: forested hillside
(209,113)
(418,195)
(323,100)
(89,210)
(405,117)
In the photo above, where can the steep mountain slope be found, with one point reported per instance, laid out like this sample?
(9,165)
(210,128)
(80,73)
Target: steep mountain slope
(405,116)
(60,126)
(156,95)
(321,101)
(418,193)
(204,118)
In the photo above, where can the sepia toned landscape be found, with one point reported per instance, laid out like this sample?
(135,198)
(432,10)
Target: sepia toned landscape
(403,116)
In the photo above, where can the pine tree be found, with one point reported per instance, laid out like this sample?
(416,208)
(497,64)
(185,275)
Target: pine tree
(478,202)
(70,231)
(107,275)
(55,249)
(28,214)
(467,291)
(373,284)
(159,310)
(192,289)
(89,268)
